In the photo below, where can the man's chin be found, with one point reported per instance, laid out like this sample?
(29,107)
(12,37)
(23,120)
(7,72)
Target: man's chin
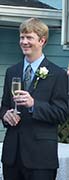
(26,53)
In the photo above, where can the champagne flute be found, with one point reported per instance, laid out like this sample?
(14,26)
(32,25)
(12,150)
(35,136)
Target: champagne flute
(16,85)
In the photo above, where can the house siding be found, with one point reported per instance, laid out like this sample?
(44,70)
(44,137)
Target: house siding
(10,53)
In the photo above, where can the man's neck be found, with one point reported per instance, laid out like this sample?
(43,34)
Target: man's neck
(32,59)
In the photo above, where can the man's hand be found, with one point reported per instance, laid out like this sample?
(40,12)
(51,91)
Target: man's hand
(11,117)
(24,99)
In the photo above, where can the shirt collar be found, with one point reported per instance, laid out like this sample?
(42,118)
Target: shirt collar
(34,64)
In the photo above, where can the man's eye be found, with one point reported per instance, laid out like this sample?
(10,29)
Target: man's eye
(30,38)
(22,38)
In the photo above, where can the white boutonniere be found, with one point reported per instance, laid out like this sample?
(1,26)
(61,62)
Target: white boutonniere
(41,73)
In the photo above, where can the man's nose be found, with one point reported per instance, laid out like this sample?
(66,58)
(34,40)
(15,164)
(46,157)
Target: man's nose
(25,40)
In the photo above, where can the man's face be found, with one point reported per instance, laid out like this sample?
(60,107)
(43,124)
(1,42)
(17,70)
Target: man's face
(30,44)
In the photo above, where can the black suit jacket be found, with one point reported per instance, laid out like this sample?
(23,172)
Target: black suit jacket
(37,131)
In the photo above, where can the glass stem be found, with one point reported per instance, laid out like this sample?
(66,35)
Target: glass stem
(15,107)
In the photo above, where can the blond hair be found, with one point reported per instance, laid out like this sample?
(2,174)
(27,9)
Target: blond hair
(35,25)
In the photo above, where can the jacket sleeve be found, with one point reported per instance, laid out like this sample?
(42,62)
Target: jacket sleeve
(5,104)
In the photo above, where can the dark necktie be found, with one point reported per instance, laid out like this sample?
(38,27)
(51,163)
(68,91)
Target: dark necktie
(27,77)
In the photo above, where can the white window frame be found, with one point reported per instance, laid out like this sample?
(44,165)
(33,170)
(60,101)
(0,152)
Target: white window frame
(65,25)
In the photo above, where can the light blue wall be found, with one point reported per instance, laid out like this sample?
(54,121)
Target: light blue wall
(54,50)
(54,3)
(10,53)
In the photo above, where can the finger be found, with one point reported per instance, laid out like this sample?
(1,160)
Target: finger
(15,118)
(6,119)
(11,118)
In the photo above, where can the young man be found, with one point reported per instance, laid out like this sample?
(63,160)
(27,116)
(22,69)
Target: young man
(30,144)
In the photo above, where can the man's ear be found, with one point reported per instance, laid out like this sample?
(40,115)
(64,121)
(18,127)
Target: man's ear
(43,40)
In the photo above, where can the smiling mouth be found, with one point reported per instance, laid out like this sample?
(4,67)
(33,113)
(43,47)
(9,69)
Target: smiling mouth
(27,46)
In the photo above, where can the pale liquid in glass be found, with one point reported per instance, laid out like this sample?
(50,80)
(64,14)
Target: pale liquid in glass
(15,86)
